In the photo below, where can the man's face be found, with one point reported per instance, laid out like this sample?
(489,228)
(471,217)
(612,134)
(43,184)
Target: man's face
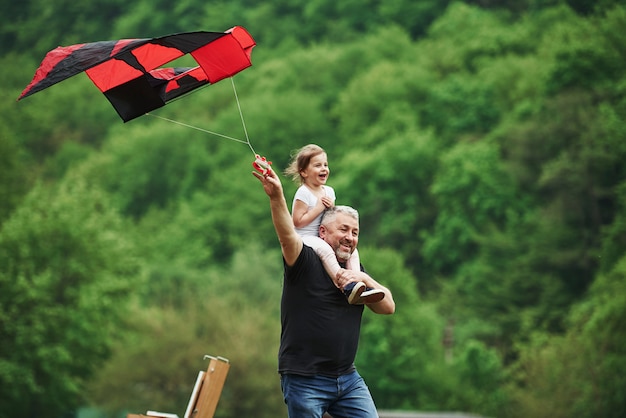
(342,235)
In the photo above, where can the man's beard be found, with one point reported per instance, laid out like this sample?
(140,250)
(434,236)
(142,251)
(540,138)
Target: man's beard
(343,255)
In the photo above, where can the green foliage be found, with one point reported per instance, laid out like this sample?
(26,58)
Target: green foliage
(601,320)
(285,127)
(474,195)
(571,176)
(156,369)
(402,361)
(361,100)
(395,204)
(158,165)
(583,371)
(230,313)
(12,175)
(480,376)
(582,56)
(44,122)
(614,240)
(415,16)
(460,105)
(482,142)
(67,268)
(492,37)
(400,356)
(35,26)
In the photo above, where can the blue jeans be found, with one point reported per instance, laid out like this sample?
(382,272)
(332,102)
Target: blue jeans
(344,397)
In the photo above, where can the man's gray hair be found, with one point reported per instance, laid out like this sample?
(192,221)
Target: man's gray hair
(331,213)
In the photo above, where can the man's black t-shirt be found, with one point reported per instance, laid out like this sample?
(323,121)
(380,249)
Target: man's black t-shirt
(320,329)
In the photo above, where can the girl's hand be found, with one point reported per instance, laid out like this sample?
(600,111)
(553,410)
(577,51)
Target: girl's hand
(327,202)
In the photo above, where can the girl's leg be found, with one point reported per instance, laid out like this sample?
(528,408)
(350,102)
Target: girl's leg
(326,254)
(354,263)
(352,290)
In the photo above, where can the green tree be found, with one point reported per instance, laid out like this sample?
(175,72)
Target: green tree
(460,104)
(72,111)
(474,194)
(480,376)
(36,26)
(390,186)
(580,373)
(400,356)
(571,179)
(582,54)
(414,16)
(150,168)
(230,312)
(482,142)
(614,235)
(66,272)
(13,183)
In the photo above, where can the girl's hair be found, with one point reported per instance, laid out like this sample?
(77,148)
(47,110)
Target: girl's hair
(300,159)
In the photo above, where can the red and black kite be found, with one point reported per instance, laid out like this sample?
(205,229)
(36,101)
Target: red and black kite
(128,71)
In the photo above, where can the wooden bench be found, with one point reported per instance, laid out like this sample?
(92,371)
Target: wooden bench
(206,392)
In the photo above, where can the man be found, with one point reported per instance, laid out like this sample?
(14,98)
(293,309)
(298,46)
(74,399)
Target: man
(320,329)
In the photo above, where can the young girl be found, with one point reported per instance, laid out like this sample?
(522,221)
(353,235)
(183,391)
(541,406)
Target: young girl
(309,168)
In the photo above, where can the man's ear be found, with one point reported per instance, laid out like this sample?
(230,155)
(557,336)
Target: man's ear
(322,232)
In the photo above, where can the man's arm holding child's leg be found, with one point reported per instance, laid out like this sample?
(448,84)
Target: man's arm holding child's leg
(386,306)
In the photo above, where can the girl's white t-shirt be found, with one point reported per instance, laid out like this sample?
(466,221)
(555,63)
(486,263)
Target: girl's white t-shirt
(304,194)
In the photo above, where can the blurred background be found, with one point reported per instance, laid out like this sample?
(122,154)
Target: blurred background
(483,143)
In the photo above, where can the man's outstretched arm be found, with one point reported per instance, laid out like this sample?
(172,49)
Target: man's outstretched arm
(290,241)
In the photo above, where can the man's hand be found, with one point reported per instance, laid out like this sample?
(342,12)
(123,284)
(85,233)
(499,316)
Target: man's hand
(346,276)
(271,183)
(290,241)
(386,306)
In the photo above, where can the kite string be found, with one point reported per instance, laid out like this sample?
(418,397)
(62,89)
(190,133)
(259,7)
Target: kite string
(245,130)
(243,122)
(198,129)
